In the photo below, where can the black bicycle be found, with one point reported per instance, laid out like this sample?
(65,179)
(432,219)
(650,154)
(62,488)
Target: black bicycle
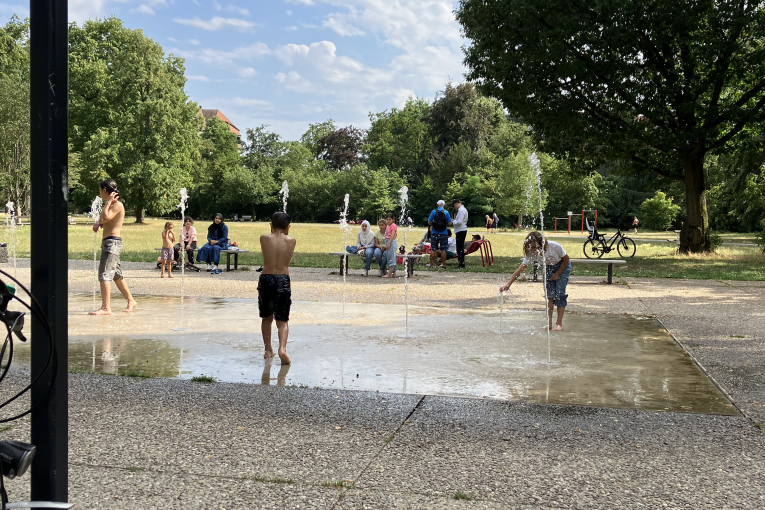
(597,245)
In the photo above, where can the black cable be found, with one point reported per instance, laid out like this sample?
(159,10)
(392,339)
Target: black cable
(52,354)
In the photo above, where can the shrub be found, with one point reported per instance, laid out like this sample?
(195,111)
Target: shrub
(659,212)
(761,236)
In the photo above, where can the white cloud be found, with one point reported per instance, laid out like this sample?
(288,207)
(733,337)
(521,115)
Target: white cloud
(291,29)
(257,104)
(195,42)
(143,9)
(289,12)
(198,78)
(211,56)
(240,10)
(216,23)
(341,26)
(293,81)
(246,72)
(300,2)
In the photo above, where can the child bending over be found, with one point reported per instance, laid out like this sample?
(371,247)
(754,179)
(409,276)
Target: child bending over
(535,247)
(274,292)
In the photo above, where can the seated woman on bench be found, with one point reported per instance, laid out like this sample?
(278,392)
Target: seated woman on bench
(188,240)
(366,241)
(217,240)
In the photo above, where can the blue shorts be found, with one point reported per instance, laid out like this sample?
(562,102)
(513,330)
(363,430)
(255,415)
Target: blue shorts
(439,242)
(556,290)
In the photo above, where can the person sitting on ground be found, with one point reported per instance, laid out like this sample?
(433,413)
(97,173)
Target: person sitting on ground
(188,240)
(274,290)
(536,248)
(217,240)
(391,245)
(439,219)
(425,239)
(380,246)
(168,238)
(365,245)
(451,245)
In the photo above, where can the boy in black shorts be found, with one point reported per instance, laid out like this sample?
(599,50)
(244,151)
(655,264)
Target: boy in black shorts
(274,292)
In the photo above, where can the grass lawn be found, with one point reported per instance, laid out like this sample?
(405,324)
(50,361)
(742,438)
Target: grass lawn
(652,259)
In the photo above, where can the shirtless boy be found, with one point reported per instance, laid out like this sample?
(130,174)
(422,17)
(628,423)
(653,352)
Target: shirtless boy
(112,215)
(274,292)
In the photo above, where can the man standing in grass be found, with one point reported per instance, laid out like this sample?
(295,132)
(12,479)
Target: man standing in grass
(112,216)
(274,291)
(460,231)
(440,220)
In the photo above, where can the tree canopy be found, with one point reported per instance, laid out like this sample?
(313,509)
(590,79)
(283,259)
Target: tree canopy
(651,84)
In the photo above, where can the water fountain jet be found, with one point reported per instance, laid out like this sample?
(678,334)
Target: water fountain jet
(403,194)
(285,193)
(95,215)
(346,230)
(534,162)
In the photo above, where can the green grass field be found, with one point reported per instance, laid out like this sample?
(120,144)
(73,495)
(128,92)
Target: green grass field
(652,259)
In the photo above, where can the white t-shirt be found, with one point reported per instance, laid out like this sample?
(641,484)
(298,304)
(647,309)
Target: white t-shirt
(451,245)
(553,255)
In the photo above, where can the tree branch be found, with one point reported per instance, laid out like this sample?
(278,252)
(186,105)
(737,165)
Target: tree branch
(739,126)
(657,170)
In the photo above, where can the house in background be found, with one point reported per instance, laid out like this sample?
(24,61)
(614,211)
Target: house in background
(209,114)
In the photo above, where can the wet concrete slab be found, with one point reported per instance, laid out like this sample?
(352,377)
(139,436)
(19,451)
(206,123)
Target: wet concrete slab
(599,360)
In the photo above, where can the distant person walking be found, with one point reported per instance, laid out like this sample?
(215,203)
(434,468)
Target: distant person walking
(440,220)
(111,218)
(635,224)
(460,231)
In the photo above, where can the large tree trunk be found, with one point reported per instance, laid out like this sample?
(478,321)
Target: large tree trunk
(694,237)
(139,212)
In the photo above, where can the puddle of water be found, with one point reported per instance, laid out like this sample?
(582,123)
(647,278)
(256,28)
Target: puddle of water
(599,360)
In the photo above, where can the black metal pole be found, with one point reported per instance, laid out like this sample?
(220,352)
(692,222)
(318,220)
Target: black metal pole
(50,195)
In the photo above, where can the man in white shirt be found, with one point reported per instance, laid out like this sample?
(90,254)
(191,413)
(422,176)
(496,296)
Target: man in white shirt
(460,231)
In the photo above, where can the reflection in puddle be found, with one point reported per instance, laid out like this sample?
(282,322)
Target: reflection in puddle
(599,360)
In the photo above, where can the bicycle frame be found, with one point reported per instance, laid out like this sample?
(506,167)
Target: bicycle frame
(608,245)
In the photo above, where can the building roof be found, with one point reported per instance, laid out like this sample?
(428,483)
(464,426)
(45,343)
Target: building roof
(209,114)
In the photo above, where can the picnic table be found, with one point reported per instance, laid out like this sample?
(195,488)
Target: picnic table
(344,256)
(228,253)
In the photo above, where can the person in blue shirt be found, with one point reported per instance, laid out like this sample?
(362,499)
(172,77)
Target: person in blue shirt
(440,220)
(217,240)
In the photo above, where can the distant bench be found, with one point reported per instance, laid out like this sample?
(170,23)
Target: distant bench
(610,262)
(228,253)
(344,256)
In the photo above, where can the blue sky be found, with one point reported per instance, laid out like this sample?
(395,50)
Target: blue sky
(288,63)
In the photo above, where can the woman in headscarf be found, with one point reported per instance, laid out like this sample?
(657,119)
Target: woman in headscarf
(217,240)
(366,241)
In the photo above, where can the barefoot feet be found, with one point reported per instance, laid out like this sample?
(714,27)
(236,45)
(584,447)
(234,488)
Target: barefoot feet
(269,354)
(283,356)
(131,306)
(101,311)
(558,327)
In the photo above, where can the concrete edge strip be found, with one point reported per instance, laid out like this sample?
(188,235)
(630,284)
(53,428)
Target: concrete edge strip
(704,370)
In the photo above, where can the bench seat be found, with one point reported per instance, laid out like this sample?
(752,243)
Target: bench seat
(228,253)
(344,266)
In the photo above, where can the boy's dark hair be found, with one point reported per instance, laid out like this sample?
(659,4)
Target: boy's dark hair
(390,215)
(280,220)
(456,201)
(109,185)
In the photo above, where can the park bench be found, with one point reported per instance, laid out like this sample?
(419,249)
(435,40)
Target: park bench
(344,260)
(228,253)
(610,262)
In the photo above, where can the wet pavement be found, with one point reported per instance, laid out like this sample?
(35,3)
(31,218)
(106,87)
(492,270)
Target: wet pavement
(598,360)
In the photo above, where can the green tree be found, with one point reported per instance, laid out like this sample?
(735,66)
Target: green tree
(130,117)
(14,114)
(658,84)
(659,212)
(381,195)
(342,148)
(219,172)
(316,132)
(311,185)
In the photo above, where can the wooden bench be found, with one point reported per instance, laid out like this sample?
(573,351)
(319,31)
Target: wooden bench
(228,253)
(344,260)
(610,263)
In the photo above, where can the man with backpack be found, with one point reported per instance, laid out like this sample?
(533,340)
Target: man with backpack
(440,220)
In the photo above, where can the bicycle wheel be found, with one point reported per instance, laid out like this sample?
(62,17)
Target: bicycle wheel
(626,247)
(593,249)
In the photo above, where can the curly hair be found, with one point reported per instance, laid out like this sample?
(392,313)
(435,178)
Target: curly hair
(533,242)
